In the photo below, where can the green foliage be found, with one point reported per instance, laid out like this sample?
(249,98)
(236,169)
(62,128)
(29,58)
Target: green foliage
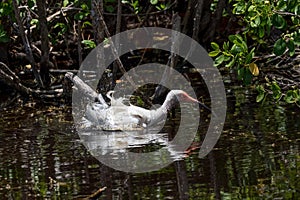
(291,96)
(235,54)
(89,44)
(6,8)
(3,35)
(134,4)
(62,28)
(267,24)
(260,17)
(84,12)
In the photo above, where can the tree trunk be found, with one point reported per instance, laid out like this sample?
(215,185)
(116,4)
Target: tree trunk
(44,64)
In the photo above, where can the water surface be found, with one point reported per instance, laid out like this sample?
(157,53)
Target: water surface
(257,157)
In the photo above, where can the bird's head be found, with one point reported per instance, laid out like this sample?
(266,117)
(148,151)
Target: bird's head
(182,96)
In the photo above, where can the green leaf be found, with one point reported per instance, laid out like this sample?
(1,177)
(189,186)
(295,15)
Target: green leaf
(219,60)
(275,86)
(3,37)
(279,47)
(153,2)
(226,57)
(231,63)
(65,3)
(235,49)
(250,56)
(257,21)
(260,89)
(87,23)
(278,21)
(89,43)
(79,16)
(296,94)
(289,98)
(276,90)
(240,42)
(226,46)
(261,31)
(291,46)
(232,38)
(296,38)
(251,8)
(260,97)
(269,25)
(214,53)
(241,72)
(34,21)
(215,46)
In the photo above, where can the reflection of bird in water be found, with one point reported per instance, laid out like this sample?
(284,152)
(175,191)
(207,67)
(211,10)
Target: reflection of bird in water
(119,116)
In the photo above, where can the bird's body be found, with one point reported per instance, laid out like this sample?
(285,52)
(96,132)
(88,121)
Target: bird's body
(119,116)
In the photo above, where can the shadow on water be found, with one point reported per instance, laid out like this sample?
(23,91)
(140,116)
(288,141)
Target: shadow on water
(257,157)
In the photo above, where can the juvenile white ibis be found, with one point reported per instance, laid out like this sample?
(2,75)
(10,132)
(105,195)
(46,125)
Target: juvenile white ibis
(119,116)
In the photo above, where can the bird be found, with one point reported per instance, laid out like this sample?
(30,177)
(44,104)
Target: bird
(119,116)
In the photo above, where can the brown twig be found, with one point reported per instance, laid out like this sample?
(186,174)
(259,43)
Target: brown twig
(96,194)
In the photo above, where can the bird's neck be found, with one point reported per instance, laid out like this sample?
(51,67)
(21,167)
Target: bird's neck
(168,104)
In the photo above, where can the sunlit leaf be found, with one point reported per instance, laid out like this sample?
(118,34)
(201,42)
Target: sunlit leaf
(260,97)
(254,69)
(219,60)
(214,53)
(89,43)
(226,46)
(235,49)
(215,46)
(28,66)
(65,3)
(257,21)
(251,8)
(231,63)
(153,2)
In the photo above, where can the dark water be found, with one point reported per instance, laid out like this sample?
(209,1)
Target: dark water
(257,157)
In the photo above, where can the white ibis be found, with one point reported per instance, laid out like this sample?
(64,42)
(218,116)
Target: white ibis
(119,116)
